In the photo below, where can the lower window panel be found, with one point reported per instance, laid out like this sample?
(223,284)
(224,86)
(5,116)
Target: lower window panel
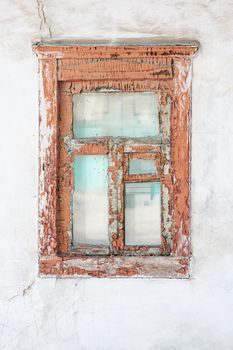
(90,200)
(142,213)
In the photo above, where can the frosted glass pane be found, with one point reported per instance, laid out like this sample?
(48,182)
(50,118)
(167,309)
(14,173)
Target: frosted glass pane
(141,166)
(142,213)
(115,114)
(90,200)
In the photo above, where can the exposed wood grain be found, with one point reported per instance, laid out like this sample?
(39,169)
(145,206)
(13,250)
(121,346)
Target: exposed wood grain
(126,69)
(105,69)
(180,155)
(115,266)
(48,157)
(64,174)
(66,52)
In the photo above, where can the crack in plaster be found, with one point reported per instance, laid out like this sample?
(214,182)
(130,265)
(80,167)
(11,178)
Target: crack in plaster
(44,26)
(25,291)
(28,288)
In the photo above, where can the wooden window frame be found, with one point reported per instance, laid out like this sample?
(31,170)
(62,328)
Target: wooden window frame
(69,69)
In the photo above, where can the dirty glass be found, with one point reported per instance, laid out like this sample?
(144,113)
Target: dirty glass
(141,166)
(115,114)
(90,200)
(142,213)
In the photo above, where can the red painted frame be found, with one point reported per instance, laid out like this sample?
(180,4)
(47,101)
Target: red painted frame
(65,70)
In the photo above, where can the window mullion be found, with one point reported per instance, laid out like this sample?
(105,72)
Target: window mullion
(166,201)
(116,200)
(85,146)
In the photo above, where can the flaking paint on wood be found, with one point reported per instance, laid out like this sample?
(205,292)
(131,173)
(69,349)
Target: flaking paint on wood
(55,170)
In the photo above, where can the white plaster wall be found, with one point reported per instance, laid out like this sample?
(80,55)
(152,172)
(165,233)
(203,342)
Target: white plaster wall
(117,314)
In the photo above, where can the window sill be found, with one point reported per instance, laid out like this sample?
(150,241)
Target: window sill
(115,266)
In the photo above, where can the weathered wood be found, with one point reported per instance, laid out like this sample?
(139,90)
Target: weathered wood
(84,52)
(64,174)
(48,157)
(180,155)
(115,266)
(105,69)
(88,147)
(125,69)
(154,155)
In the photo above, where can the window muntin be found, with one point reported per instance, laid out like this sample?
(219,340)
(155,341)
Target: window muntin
(143,165)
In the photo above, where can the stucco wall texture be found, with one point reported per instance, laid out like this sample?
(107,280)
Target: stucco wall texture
(104,314)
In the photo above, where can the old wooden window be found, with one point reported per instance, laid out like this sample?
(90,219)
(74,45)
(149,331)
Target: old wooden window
(114,160)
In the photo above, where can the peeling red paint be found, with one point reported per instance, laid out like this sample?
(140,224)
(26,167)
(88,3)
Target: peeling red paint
(115,266)
(67,70)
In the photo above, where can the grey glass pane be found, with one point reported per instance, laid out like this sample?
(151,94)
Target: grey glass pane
(115,114)
(142,213)
(141,166)
(90,200)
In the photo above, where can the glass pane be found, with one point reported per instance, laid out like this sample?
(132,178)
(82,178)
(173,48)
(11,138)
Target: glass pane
(141,166)
(90,200)
(115,114)
(142,213)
